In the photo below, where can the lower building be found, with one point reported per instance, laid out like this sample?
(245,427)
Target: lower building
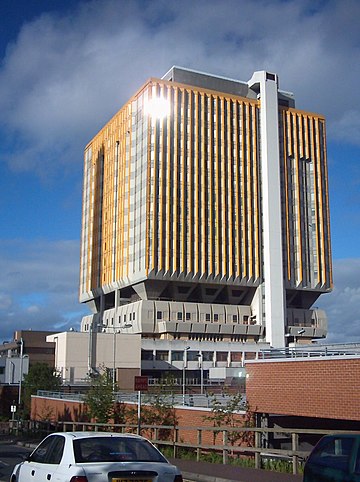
(198,363)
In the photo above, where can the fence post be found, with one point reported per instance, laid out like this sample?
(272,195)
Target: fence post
(225,443)
(257,446)
(294,448)
(175,440)
(199,439)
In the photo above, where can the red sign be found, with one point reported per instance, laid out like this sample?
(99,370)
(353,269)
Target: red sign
(141,384)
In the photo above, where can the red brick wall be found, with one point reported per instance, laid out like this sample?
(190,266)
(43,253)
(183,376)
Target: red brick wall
(54,409)
(323,388)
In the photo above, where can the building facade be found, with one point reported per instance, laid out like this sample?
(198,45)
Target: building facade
(206,214)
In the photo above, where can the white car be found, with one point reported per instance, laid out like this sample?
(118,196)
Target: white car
(95,457)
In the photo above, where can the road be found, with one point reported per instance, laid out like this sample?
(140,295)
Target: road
(10,455)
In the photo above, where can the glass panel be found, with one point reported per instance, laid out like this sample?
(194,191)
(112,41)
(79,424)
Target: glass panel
(115,449)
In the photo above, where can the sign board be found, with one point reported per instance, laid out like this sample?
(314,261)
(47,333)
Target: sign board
(13,408)
(141,383)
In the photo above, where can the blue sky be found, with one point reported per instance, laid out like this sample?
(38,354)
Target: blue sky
(67,66)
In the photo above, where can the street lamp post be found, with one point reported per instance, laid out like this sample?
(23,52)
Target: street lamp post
(114,361)
(200,356)
(21,369)
(184,373)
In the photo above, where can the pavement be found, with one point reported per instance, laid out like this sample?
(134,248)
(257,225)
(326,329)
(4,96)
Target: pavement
(208,472)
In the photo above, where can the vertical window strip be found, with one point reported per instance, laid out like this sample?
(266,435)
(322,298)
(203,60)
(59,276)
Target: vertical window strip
(249,212)
(243,191)
(169,166)
(211,183)
(162,191)
(204,251)
(299,232)
(189,168)
(256,210)
(150,200)
(156,188)
(183,157)
(230,188)
(217,198)
(222,165)
(321,201)
(316,195)
(175,199)
(288,198)
(236,205)
(329,280)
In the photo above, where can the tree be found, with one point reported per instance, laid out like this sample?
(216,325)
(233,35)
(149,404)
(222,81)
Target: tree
(40,377)
(100,398)
(226,415)
(157,409)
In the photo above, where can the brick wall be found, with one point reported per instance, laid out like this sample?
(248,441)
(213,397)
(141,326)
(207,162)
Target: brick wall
(321,387)
(53,409)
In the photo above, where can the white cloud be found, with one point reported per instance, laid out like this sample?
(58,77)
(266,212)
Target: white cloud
(343,304)
(39,286)
(65,76)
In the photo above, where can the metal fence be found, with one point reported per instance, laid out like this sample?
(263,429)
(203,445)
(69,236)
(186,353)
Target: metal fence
(189,400)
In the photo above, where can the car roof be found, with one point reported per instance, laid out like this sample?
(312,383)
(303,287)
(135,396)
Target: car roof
(80,434)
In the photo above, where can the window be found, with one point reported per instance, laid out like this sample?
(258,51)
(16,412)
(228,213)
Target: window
(50,450)
(177,356)
(216,317)
(207,317)
(221,356)
(188,316)
(236,356)
(55,455)
(235,318)
(192,355)
(179,315)
(115,449)
(159,315)
(207,355)
(162,355)
(147,355)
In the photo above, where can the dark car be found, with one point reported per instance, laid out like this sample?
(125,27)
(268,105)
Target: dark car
(335,458)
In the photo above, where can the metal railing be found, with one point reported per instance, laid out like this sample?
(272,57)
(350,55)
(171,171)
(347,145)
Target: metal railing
(190,400)
(307,352)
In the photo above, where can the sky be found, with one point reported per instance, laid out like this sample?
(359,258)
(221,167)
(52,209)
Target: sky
(66,66)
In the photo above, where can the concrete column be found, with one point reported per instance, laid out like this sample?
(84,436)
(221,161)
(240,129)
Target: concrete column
(266,84)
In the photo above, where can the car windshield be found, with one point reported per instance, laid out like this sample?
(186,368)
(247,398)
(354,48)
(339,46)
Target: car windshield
(115,449)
